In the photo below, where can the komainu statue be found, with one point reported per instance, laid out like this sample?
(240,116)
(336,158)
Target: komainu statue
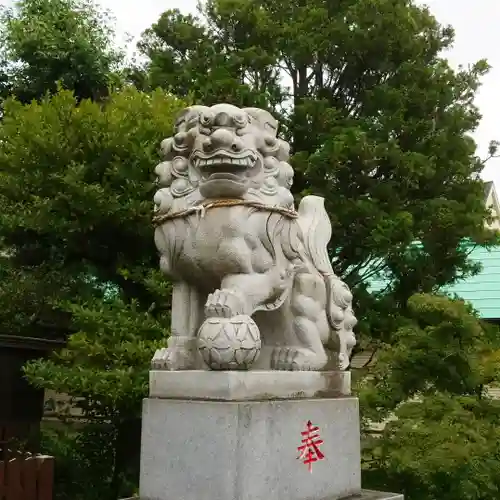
(253,286)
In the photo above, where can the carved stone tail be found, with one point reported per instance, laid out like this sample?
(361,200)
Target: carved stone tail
(317,230)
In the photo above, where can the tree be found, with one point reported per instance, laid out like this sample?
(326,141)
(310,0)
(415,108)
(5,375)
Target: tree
(443,439)
(50,42)
(76,183)
(189,59)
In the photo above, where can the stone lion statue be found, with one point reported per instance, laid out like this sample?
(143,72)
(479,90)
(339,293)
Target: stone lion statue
(253,284)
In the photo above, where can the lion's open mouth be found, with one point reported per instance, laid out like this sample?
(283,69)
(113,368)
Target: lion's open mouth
(222,165)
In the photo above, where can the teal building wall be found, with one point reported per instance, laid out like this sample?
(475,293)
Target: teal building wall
(481,290)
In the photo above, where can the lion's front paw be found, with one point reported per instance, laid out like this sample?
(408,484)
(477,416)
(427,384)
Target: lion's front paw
(224,304)
(297,359)
(173,359)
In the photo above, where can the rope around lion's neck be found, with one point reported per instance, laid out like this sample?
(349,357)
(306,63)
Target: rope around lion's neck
(207,205)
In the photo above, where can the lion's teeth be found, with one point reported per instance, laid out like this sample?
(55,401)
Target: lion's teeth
(223,160)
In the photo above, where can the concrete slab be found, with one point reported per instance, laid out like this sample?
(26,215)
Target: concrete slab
(202,450)
(248,385)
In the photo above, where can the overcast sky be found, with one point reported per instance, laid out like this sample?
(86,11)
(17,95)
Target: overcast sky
(477,27)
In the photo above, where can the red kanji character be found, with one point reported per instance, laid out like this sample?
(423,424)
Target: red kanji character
(309,451)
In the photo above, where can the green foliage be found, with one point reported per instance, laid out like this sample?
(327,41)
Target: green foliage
(76,181)
(441,447)
(75,224)
(82,459)
(106,362)
(192,59)
(442,438)
(46,42)
(442,347)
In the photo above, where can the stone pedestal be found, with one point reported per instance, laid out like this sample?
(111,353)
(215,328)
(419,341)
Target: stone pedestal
(228,443)
(248,386)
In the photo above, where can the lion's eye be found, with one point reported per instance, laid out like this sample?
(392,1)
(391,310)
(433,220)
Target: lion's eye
(240,120)
(205,120)
(192,122)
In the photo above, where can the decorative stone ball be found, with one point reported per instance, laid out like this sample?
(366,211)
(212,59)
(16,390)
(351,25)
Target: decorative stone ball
(229,343)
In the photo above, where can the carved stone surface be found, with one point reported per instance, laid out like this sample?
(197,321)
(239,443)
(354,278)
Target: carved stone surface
(218,450)
(229,343)
(235,247)
(248,386)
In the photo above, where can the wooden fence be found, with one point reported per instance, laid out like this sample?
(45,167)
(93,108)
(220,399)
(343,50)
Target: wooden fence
(27,478)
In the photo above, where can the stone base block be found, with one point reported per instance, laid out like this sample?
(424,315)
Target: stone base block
(249,385)
(249,450)
(364,495)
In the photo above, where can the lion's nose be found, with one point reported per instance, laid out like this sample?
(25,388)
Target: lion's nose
(223,139)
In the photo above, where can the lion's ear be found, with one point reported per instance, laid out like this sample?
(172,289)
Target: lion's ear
(265,119)
(185,114)
(181,119)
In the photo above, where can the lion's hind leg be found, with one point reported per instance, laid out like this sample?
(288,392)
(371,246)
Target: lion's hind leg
(306,351)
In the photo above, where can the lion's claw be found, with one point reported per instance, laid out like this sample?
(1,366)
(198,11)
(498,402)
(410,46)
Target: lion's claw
(224,304)
(172,358)
(297,359)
